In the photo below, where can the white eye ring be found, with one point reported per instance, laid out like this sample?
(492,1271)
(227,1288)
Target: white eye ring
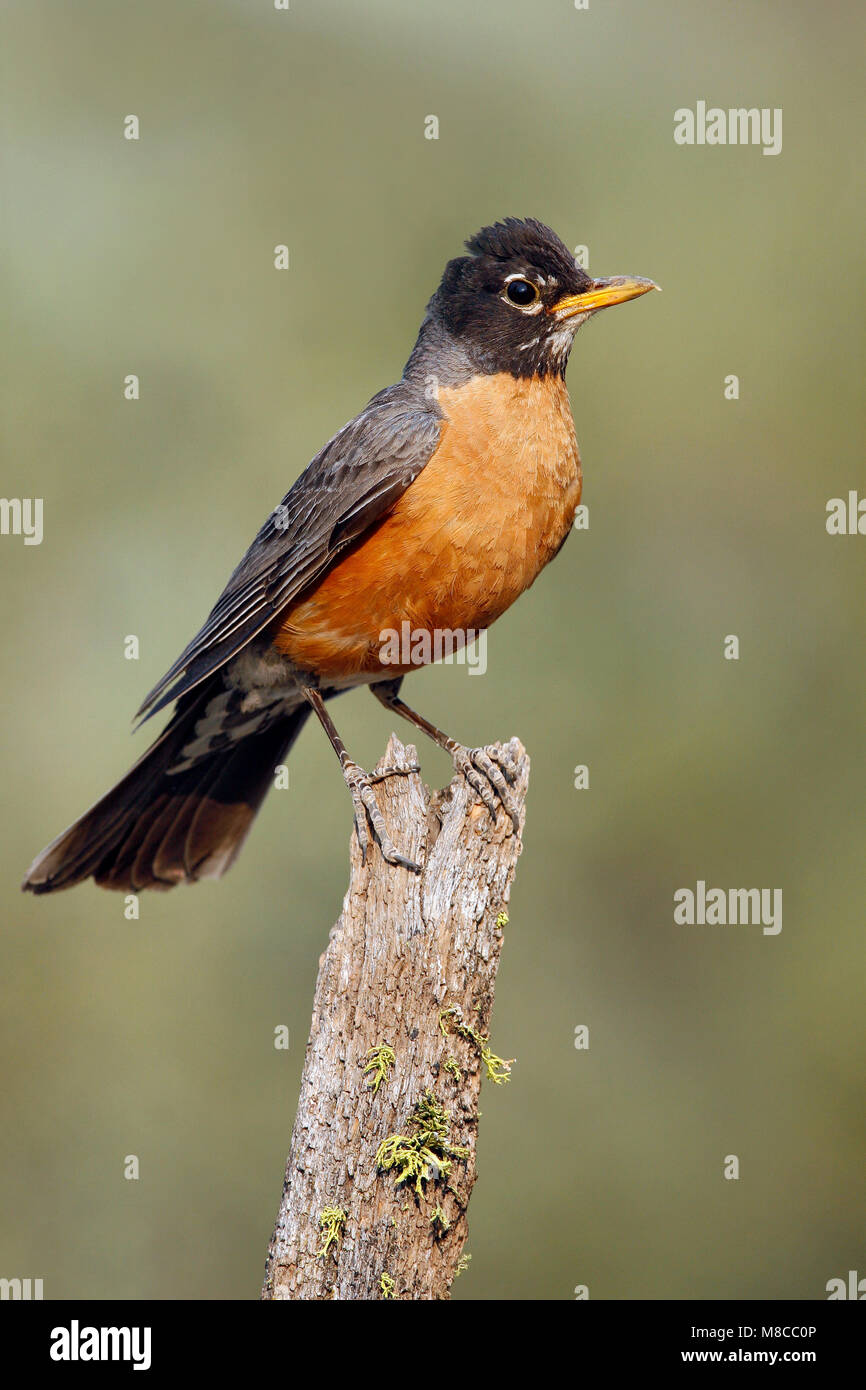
(534,305)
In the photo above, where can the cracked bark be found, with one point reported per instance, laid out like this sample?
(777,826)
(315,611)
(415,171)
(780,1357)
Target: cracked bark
(406,949)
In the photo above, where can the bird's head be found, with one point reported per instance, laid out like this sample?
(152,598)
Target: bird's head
(516,301)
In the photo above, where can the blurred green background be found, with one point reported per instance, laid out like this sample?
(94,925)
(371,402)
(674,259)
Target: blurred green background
(154,1037)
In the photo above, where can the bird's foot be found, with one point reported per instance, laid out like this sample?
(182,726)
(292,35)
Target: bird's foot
(384,772)
(360,784)
(488,771)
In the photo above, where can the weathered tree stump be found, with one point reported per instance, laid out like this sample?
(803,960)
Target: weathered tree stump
(397,1049)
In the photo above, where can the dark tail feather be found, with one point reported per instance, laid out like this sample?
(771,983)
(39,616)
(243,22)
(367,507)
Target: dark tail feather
(156,829)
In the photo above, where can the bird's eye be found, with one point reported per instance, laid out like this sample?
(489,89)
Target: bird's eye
(521,292)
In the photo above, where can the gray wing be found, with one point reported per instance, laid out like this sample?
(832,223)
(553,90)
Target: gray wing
(349,486)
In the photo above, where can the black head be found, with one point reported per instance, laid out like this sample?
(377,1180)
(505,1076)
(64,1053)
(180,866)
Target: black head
(516,302)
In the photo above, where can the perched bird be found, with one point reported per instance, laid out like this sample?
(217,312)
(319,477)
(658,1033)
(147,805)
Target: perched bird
(438,506)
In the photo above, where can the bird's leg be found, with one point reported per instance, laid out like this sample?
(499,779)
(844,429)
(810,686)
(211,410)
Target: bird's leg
(360,783)
(487,770)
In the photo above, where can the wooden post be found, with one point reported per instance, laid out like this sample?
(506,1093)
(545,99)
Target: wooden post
(397,1050)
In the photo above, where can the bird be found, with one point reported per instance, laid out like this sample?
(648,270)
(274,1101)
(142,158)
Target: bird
(438,506)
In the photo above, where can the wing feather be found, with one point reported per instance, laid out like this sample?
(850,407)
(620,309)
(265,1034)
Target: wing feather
(349,486)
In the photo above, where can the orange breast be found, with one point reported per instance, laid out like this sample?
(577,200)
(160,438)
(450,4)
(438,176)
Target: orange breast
(473,531)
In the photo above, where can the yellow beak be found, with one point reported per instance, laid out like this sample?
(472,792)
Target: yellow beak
(602,294)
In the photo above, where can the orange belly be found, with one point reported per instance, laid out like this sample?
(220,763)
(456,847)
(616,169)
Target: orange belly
(481,520)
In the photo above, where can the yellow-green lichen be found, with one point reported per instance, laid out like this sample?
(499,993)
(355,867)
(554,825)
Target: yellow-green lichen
(452,1067)
(426,1153)
(498,1069)
(502,920)
(387,1285)
(381,1060)
(440,1220)
(331,1223)
(462,1265)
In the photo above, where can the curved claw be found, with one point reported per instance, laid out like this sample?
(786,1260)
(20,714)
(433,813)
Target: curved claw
(506,761)
(366,810)
(486,771)
(394,772)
